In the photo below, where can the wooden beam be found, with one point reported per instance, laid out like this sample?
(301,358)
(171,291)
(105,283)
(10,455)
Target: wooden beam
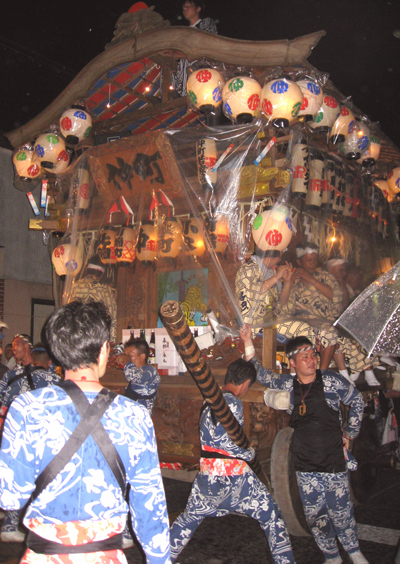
(269,348)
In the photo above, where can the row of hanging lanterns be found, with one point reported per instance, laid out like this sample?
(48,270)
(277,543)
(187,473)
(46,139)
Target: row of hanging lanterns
(121,246)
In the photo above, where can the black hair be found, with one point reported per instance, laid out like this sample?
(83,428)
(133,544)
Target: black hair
(296,343)
(140,345)
(39,354)
(239,371)
(76,332)
(26,338)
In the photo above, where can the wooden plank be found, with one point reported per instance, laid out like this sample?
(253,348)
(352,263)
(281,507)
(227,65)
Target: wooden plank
(269,348)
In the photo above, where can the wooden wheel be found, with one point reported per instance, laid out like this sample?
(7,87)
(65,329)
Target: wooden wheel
(284,484)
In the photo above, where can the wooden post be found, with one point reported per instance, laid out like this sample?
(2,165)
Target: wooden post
(269,348)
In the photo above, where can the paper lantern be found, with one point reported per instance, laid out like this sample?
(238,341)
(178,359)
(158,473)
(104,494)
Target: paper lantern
(383,185)
(312,97)
(272,229)
(394,180)
(204,88)
(67,260)
(193,237)
(241,97)
(125,246)
(147,245)
(75,125)
(342,126)
(371,155)
(315,184)
(281,101)
(218,230)
(340,189)
(326,115)
(328,187)
(170,239)
(300,168)
(81,187)
(48,147)
(356,142)
(106,245)
(26,163)
(62,163)
(206,153)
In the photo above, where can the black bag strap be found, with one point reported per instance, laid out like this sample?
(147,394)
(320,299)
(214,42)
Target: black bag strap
(28,375)
(98,432)
(90,419)
(131,394)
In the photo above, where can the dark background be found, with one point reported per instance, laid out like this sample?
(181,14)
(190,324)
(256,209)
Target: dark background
(44,44)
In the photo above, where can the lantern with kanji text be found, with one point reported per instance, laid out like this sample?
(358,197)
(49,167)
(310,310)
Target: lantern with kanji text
(272,229)
(281,101)
(204,89)
(147,246)
(106,245)
(342,126)
(48,147)
(125,246)
(326,115)
(193,237)
(75,124)
(218,232)
(312,98)
(241,98)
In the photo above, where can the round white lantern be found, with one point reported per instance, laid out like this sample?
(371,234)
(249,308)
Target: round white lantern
(193,237)
(67,260)
(204,89)
(75,125)
(326,115)
(394,180)
(218,230)
(26,163)
(357,141)
(371,155)
(125,246)
(343,126)
(147,245)
(206,153)
(106,245)
(62,163)
(272,229)
(313,96)
(281,101)
(48,147)
(171,239)
(241,97)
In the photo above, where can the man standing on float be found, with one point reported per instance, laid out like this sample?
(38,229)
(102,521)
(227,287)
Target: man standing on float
(318,455)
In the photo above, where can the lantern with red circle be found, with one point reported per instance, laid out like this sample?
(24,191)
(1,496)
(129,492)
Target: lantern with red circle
(81,187)
(204,89)
(393,179)
(48,148)
(125,246)
(193,237)
(281,101)
(241,97)
(75,125)
(67,259)
(272,229)
(62,163)
(106,245)
(343,126)
(313,96)
(25,162)
(383,185)
(147,246)
(326,115)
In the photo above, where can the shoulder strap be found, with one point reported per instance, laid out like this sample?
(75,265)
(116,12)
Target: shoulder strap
(29,376)
(90,420)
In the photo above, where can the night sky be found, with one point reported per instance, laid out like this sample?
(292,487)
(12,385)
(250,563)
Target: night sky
(45,44)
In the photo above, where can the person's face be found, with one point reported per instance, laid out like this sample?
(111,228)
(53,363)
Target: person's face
(8,353)
(19,348)
(305,363)
(138,359)
(190,12)
(309,262)
(338,271)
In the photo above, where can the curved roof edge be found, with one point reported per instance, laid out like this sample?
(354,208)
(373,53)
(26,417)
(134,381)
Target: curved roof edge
(189,41)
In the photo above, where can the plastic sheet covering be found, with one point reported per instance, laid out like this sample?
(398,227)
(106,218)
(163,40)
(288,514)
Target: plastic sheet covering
(380,305)
(175,215)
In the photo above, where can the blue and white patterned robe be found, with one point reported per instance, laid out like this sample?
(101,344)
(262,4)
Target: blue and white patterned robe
(144,381)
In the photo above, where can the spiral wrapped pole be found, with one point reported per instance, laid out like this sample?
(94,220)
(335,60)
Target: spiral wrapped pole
(175,323)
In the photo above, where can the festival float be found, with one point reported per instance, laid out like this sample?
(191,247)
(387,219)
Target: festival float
(151,200)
